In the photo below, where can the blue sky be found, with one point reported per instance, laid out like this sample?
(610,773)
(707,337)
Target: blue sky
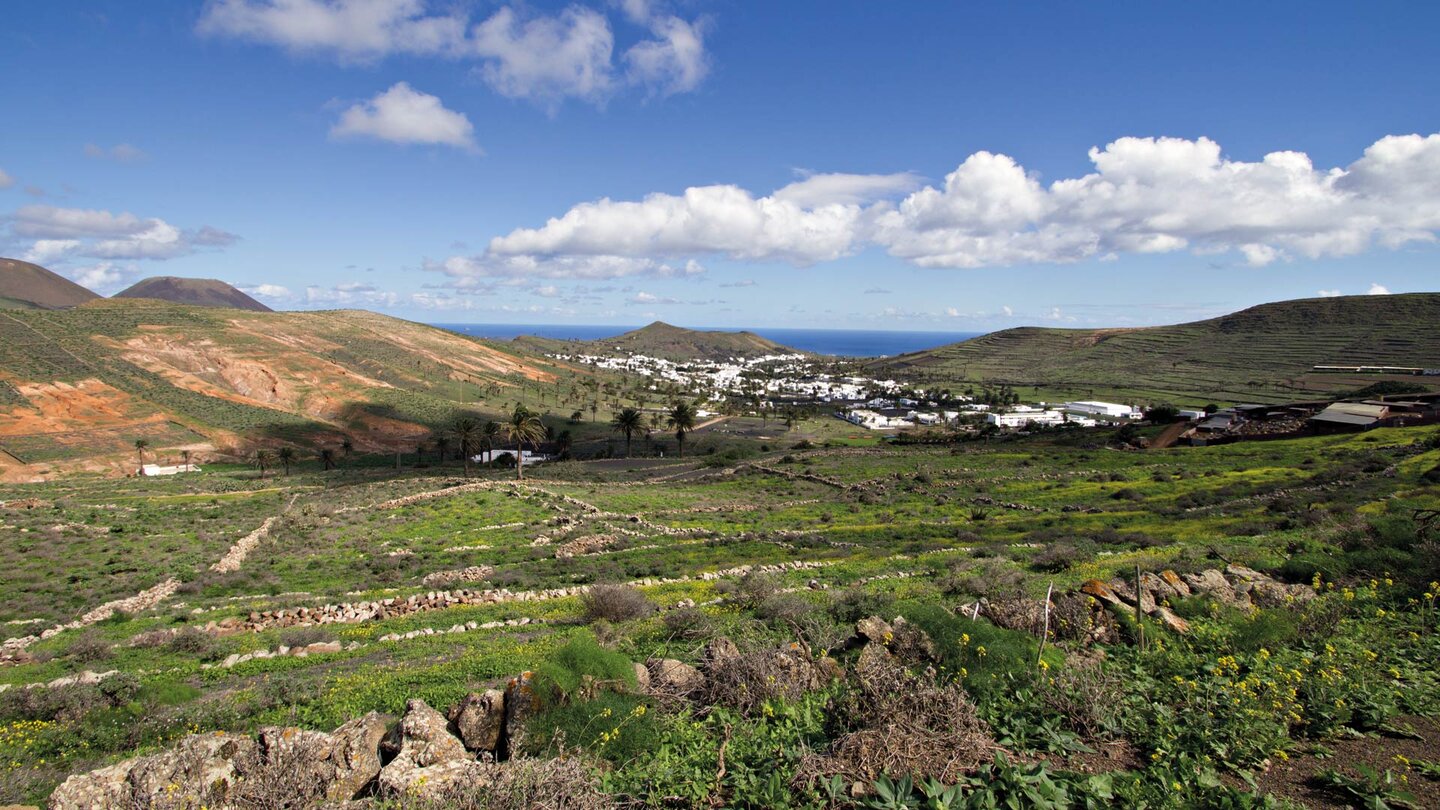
(963,166)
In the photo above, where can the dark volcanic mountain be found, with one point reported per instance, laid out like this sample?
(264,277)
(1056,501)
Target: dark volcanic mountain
(201,292)
(29,286)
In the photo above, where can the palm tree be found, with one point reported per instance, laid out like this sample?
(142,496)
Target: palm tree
(287,457)
(466,432)
(262,460)
(327,458)
(490,430)
(523,426)
(347,446)
(628,421)
(185,457)
(140,447)
(563,442)
(682,418)
(442,444)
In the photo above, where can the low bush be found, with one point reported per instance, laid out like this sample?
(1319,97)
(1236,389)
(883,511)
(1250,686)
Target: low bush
(615,603)
(580,670)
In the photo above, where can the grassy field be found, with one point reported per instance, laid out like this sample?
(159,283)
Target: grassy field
(918,531)
(1263,354)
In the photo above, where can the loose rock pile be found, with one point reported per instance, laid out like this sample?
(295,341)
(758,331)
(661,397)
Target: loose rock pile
(474,573)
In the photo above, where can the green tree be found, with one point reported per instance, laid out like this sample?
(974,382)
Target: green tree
(442,446)
(347,446)
(523,426)
(185,459)
(682,418)
(141,445)
(629,422)
(287,457)
(327,458)
(489,431)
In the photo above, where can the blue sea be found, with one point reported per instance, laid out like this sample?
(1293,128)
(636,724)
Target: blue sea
(840,342)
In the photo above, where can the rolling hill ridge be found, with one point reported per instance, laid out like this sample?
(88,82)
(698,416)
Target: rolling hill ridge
(1264,354)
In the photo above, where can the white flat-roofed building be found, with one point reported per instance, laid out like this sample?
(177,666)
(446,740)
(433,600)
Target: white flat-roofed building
(1101,409)
(1021,417)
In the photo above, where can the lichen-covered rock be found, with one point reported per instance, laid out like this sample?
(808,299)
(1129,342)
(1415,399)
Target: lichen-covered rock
(200,770)
(1101,591)
(642,678)
(435,783)
(480,720)
(674,678)
(521,703)
(355,755)
(874,628)
(431,759)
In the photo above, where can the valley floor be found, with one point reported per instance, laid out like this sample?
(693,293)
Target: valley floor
(145,610)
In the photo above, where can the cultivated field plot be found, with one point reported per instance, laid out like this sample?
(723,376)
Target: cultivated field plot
(791,546)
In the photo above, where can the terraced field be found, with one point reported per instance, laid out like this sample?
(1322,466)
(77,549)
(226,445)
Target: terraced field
(403,586)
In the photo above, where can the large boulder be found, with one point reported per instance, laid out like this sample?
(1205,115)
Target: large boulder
(874,628)
(355,755)
(431,761)
(200,770)
(480,720)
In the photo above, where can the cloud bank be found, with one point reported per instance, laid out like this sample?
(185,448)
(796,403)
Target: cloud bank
(61,233)
(519,52)
(1145,195)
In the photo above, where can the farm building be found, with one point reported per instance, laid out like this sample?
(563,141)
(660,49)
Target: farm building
(1346,416)
(162,469)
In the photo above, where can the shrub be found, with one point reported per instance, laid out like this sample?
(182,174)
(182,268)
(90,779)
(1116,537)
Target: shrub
(88,647)
(615,603)
(853,604)
(989,659)
(580,669)
(193,641)
(687,623)
(1058,556)
(305,636)
(617,727)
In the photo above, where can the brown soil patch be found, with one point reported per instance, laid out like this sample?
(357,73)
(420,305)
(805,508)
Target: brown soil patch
(84,405)
(1294,778)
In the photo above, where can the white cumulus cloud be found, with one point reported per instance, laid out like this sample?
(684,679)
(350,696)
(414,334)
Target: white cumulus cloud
(1145,195)
(1329,293)
(403,114)
(520,52)
(1377,289)
(547,57)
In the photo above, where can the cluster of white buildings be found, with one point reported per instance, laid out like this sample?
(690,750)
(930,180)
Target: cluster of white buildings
(1079,414)
(792,376)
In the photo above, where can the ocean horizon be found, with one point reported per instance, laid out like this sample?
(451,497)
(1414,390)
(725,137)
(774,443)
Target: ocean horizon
(836,342)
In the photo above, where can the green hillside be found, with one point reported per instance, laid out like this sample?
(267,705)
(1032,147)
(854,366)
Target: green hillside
(86,382)
(1261,354)
(661,339)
